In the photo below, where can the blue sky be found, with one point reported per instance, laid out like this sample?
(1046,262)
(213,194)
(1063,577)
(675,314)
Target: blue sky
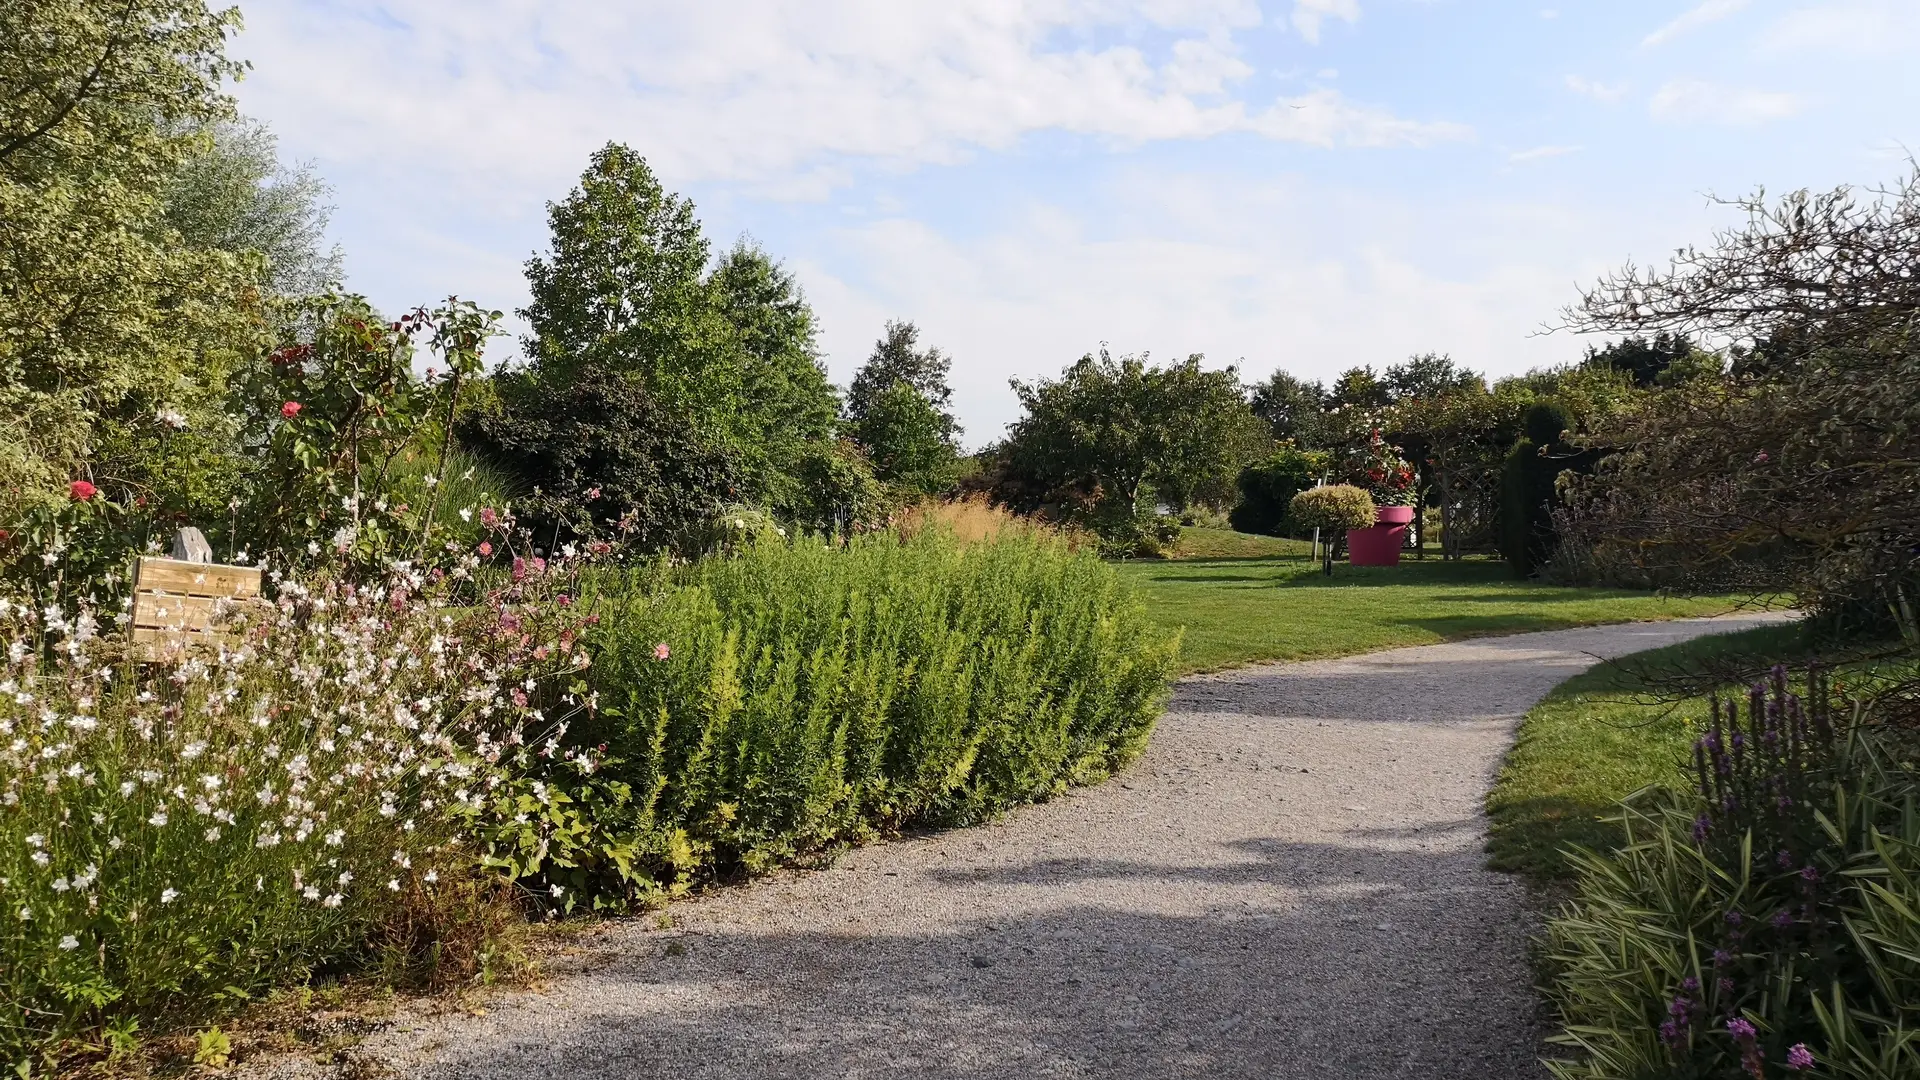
(1307,184)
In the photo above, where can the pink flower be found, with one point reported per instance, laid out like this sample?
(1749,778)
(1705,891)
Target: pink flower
(289,409)
(81,491)
(661,652)
(593,493)
(519,568)
(520,698)
(485,549)
(488,517)
(1760,458)
(1799,1058)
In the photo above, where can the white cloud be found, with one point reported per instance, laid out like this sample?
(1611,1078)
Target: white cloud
(1540,152)
(1846,27)
(1692,100)
(512,94)
(1282,272)
(1310,15)
(1708,11)
(1598,91)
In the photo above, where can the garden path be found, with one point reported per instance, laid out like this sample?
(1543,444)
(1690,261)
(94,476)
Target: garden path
(1288,884)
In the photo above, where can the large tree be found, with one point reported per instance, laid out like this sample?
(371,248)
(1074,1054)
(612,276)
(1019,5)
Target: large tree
(1293,408)
(107,319)
(234,194)
(898,359)
(1795,470)
(1430,375)
(786,406)
(622,287)
(898,410)
(628,288)
(1111,431)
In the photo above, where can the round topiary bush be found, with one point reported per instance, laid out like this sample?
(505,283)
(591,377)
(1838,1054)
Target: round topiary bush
(1336,506)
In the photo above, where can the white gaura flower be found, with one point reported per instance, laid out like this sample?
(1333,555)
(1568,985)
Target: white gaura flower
(167,896)
(466,513)
(158,819)
(333,900)
(69,943)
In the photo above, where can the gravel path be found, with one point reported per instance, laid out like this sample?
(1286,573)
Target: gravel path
(1289,884)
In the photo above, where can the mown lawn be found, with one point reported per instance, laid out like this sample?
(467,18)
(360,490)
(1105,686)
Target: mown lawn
(1272,603)
(1604,735)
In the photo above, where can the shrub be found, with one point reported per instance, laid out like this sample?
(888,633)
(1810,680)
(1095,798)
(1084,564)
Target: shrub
(1765,925)
(601,459)
(834,490)
(1267,487)
(802,695)
(1130,532)
(178,836)
(1335,507)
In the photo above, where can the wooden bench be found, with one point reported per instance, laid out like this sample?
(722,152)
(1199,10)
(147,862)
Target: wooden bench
(175,604)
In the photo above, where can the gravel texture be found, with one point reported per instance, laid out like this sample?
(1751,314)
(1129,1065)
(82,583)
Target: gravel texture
(1288,884)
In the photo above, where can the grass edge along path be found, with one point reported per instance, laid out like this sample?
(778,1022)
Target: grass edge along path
(1601,736)
(1234,611)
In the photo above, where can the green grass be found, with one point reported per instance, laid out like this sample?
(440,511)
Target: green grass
(1199,542)
(1602,736)
(1273,604)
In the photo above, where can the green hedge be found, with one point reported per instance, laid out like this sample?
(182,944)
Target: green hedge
(816,694)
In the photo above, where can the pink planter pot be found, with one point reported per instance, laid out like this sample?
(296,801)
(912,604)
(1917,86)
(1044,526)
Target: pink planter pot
(1380,545)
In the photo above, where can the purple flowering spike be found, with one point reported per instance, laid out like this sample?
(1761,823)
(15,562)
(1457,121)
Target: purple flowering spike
(1799,1058)
(1740,1029)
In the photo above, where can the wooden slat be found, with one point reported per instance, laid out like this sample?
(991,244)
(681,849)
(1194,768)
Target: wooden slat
(196,579)
(175,605)
(184,612)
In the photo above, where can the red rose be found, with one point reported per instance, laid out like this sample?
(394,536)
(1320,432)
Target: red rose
(81,491)
(290,409)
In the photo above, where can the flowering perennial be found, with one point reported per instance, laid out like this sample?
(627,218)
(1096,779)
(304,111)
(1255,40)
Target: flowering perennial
(241,813)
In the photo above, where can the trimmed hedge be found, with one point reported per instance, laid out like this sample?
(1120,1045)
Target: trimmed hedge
(813,694)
